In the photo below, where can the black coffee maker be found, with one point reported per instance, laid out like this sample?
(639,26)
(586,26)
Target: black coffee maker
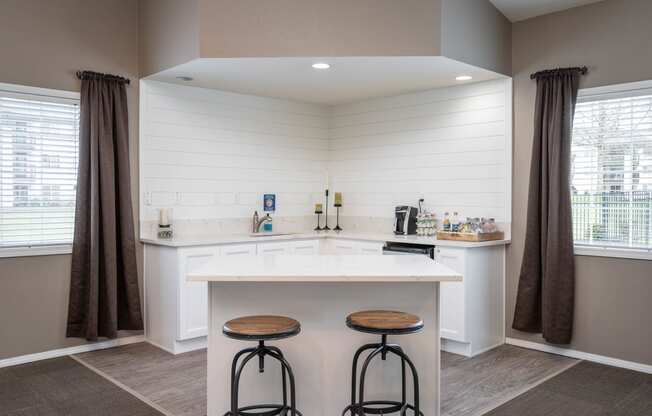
(405,220)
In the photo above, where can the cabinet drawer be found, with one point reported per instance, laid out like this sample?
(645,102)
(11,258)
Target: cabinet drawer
(366,247)
(238,250)
(274,248)
(344,247)
(307,247)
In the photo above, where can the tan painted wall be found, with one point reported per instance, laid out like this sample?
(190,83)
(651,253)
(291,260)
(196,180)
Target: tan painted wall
(614,296)
(477,33)
(169,33)
(319,28)
(43,43)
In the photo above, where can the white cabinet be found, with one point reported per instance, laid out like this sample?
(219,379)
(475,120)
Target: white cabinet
(176,311)
(471,311)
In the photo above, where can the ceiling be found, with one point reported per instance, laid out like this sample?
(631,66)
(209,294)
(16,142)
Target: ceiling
(349,79)
(516,10)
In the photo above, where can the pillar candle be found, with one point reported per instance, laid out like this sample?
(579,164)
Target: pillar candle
(338,199)
(163,218)
(318,209)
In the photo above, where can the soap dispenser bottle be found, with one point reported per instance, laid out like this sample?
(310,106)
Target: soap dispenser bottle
(267,227)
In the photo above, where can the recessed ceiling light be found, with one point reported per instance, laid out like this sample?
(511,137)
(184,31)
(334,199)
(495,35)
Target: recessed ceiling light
(464,78)
(184,78)
(321,65)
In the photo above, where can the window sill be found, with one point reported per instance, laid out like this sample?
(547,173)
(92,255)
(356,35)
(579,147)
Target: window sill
(623,253)
(35,250)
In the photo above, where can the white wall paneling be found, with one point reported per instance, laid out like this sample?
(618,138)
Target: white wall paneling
(448,145)
(211,154)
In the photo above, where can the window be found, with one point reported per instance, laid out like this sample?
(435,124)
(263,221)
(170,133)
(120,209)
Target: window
(612,168)
(39,142)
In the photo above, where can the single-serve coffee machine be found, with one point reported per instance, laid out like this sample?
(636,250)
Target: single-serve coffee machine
(405,220)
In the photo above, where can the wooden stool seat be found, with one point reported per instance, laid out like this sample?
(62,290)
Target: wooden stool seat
(384,322)
(261,327)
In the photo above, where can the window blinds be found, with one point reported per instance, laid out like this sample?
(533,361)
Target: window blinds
(39,141)
(612,170)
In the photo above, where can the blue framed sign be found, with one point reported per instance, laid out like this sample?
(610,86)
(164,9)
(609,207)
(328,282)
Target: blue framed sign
(269,202)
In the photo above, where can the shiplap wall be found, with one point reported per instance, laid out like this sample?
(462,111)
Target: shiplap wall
(213,154)
(450,146)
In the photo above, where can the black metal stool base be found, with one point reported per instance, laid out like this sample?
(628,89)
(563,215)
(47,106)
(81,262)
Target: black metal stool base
(271,410)
(379,407)
(382,407)
(261,352)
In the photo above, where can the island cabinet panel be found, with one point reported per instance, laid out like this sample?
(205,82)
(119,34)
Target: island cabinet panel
(472,311)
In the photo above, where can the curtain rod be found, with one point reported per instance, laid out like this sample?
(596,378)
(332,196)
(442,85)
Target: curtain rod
(99,75)
(582,70)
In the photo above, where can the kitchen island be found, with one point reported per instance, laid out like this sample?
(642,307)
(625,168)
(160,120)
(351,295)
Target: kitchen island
(320,291)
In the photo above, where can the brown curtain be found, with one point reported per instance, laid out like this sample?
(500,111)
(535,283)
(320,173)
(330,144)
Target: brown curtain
(104,294)
(546,289)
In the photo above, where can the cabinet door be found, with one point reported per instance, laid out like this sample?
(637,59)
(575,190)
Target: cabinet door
(308,247)
(281,247)
(451,309)
(193,296)
(238,250)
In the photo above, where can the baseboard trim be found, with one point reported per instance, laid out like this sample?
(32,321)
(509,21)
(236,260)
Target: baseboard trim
(489,348)
(159,346)
(580,355)
(61,352)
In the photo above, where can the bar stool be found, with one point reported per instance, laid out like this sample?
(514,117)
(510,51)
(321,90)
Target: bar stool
(383,323)
(261,328)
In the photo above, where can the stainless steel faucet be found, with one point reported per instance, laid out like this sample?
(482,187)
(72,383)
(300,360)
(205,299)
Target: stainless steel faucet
(256,223)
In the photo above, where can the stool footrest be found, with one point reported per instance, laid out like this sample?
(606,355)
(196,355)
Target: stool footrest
(379,407)
(271,410)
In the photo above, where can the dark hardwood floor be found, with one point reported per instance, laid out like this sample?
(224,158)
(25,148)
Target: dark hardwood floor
(142,380)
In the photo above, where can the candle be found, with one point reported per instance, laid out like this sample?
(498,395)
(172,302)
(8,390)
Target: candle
(338,199)
(318,208)
(163,217)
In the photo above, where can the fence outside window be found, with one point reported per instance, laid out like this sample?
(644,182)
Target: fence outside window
(613,218)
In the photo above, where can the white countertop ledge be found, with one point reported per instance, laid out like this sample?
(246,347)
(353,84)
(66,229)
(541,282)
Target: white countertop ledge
(345,235)
(324,268)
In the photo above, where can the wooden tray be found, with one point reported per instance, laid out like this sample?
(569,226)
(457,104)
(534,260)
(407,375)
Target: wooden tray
(445,235)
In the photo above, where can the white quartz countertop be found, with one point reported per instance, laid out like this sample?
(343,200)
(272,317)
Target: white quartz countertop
(345,235)
(324,268)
